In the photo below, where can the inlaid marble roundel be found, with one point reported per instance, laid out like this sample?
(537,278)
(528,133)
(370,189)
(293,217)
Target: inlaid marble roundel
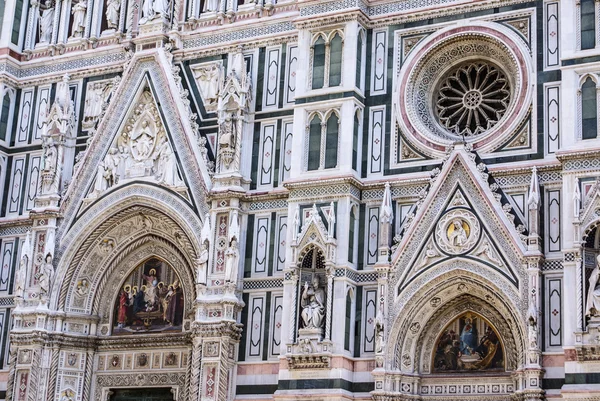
(469,83)
(457,232)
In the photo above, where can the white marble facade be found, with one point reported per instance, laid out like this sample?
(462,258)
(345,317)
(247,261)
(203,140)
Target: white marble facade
(284,200)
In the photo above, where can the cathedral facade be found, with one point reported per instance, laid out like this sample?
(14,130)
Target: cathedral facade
(298,200)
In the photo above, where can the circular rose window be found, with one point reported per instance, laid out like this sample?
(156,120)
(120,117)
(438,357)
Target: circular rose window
(472,98)
(469,83)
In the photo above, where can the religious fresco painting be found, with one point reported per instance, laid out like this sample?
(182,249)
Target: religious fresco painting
(150,300)
(469,343)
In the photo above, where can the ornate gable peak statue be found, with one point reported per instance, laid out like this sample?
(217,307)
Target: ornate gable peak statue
(233,108)
(58,129)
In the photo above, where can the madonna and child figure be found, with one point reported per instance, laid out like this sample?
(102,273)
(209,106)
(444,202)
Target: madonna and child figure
(151,299)
(468,344)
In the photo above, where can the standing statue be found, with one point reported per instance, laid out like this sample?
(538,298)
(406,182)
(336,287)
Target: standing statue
(313,305)
(232,257)
(107,175)
(331,221)
(46,21)
(592,306)
(296,224)
(202,264)
(50,155)
(167,168)
(161,7)
(46,274)
(211,5)
(21,275)
(79,10)
(112,13)
(147,11)
(379,326)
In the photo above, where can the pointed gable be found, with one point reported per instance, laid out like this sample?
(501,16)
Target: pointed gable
(461,217)
(149,77)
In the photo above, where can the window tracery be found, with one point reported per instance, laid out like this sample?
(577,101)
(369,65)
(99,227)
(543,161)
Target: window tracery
(473,98)
(322,140)
(326,60)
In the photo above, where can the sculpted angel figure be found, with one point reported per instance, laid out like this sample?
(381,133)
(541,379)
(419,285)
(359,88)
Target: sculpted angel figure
(313,305)
(46,21)
(592,306)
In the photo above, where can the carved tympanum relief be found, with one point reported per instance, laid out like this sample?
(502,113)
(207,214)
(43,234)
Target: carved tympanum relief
(141,151)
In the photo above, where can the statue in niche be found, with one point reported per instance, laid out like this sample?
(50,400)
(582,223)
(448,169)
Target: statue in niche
(211,5)
(227,133)
(154,8)
(46,21)
(313,305)
(50,155)
(232,257)
(331,221)
(79,11)
(161,8)
(379,327)
(202,264)
(147,11)
(21,277)
(592,306)
(113,7)
(46,274)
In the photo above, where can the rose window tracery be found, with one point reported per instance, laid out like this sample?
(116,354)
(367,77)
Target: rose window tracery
(468,84)
(472,98)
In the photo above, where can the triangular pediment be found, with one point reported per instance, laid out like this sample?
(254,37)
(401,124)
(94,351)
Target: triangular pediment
(590,211)
(463,216)
(144,129)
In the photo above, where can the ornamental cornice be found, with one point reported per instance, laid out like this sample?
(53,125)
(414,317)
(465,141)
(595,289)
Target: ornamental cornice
(144,341)
(570,154)
(337,18)
(231,329)
(292,185)
(39,337)
(184,55)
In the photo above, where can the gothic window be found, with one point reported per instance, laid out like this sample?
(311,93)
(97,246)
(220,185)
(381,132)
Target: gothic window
(360,49)
(314,143)
(4,116)
(327,55)
(318,77)
(16,29)
(331,142)
(348,321)
(335,60)
(588,24)
(322,141)
(352,233)
(355,139)
(589,110)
